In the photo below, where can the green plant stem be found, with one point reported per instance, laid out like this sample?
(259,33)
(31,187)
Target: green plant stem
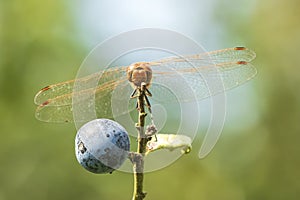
(138,161)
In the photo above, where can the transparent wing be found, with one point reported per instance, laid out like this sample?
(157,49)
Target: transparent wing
(100,98)
(55,101)
(200,76)
(62,92)
(219,56)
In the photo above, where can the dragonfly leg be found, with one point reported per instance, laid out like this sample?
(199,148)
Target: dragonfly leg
(133,94)
(147,103)
(148,93)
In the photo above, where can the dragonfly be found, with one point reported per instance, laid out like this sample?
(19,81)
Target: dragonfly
(185,75)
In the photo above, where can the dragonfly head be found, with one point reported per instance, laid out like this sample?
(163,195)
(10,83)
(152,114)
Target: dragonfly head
(138,73)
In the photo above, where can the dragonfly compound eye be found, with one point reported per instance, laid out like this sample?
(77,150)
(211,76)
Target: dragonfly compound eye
(101,146)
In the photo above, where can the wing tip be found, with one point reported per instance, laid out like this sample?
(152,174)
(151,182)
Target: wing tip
(37,96)
(251,53)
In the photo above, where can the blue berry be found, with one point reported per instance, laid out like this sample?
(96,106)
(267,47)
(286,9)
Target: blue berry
(101,146)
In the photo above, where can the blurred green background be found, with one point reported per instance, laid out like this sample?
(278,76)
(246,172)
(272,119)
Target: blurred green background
(257,156)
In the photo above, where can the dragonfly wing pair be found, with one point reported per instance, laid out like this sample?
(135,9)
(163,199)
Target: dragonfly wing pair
(56,102)
(180,79)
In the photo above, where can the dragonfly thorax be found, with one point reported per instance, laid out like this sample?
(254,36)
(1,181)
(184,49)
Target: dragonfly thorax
(139,73)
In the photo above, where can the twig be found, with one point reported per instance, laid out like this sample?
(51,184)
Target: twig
(138,158)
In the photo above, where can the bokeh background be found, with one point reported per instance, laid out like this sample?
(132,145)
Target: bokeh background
(257,156)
